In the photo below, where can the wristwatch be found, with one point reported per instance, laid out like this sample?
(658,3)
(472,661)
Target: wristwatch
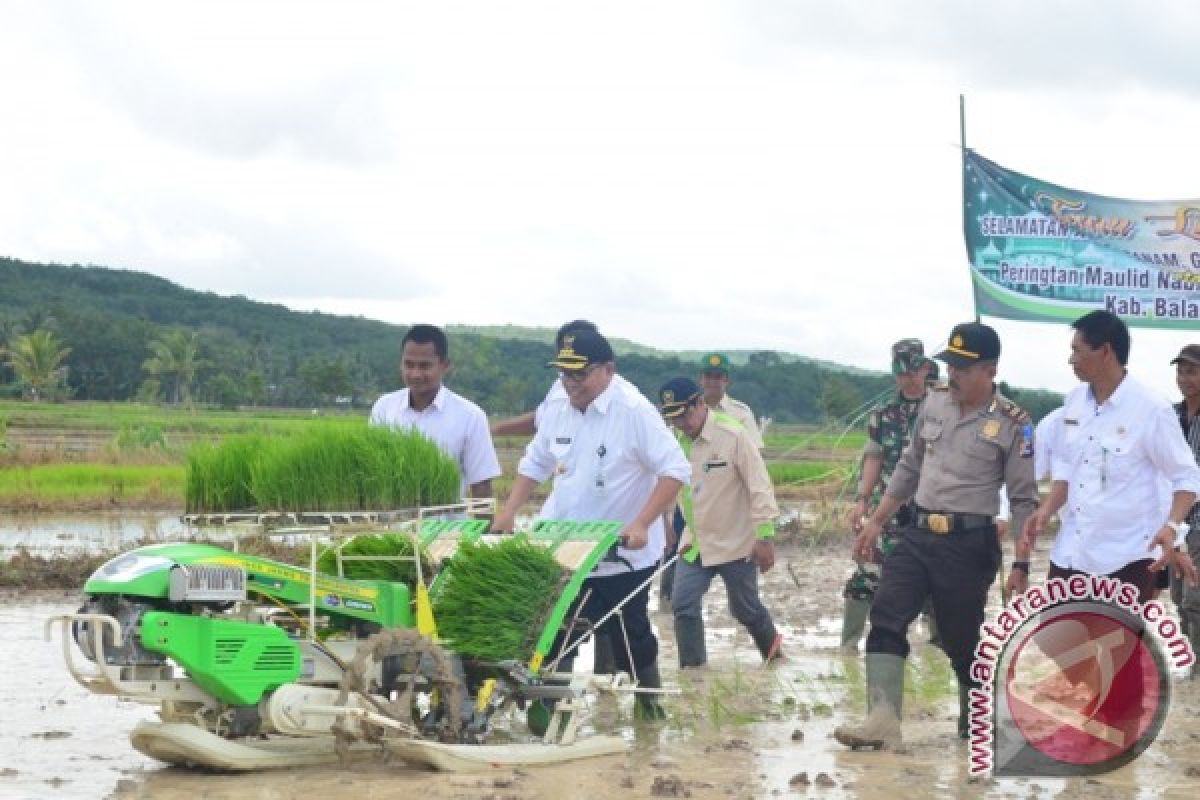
(1181,531)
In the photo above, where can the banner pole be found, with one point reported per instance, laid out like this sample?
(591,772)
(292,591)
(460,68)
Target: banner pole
(962,144)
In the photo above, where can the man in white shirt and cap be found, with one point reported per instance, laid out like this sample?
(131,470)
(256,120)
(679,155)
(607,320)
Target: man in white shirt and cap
(612,458)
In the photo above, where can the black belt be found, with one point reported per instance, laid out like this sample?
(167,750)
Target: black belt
(951,522)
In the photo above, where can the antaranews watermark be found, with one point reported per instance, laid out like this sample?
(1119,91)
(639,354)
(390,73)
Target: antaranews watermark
(1075,679)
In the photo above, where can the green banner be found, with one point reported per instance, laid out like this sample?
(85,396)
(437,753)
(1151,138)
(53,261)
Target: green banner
(1049,254)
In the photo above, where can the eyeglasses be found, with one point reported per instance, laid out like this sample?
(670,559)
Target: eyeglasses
(577,375)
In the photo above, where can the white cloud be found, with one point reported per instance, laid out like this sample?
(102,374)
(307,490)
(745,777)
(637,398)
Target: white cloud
(689,174)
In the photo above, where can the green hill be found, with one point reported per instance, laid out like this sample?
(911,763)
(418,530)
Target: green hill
(265,354)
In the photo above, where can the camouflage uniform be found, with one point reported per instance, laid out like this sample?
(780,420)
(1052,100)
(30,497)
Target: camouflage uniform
(889,429)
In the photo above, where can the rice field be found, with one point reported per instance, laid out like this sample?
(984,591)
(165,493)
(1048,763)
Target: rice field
(112,417)
(807,472)
(157,440)
(64,486)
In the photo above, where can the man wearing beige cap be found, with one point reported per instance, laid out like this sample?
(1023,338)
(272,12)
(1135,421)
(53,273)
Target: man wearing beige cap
(1187,598)
(730,510)
(714,381)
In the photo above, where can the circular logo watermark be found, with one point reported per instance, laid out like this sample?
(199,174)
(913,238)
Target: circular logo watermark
(1075,680)
(1082,689)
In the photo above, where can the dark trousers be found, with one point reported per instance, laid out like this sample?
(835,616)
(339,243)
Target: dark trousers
(605,594)
(1123,707)
(1187,598)
(740,576)
(1135,572)
(955,570)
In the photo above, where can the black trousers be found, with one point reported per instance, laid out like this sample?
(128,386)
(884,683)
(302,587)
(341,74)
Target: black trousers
(955,570)
(605,594)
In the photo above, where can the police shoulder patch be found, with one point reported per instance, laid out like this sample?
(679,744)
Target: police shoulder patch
(1014,412)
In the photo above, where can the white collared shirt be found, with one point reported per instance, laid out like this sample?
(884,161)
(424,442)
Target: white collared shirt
(557,394)
(605,462)
(457,425)
(1045,442)
(1117,458)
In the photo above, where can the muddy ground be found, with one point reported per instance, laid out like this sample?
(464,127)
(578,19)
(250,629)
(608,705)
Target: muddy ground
(736,731)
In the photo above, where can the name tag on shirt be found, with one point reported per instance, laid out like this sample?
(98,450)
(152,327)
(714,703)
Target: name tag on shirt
(711,465)
(563,440)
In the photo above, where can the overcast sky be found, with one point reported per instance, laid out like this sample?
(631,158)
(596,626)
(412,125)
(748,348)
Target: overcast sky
(778,174)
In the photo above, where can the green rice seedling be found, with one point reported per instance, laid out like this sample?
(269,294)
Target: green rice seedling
(396,563)
(493,599)
(219,476)
(329,466)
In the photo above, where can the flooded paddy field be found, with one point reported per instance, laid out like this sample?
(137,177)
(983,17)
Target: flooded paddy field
(735,731)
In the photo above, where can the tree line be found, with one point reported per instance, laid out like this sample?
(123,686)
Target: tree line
(92,333)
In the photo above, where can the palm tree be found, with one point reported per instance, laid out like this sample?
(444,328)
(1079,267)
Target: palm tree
(37,358)
(175,360)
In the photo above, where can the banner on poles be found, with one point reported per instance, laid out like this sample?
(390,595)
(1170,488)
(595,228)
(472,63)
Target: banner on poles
(1049,254)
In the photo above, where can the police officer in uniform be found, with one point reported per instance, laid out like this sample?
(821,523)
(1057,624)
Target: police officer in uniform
(968,441)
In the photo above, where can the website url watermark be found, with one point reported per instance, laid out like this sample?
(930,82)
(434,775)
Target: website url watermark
(1073,677)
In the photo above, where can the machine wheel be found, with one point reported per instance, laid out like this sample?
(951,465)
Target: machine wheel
(427,670)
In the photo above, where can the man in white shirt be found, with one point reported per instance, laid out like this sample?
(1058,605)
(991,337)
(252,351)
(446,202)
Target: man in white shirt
(612,458)
(527,423)
(456,424)
(1118,443)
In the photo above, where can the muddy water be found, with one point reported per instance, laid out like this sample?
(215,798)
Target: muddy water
(736,730)
(95,532)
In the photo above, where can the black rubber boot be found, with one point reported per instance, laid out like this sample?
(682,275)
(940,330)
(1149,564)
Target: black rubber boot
(604,663)
(689,641)
(964,710)
(646,705)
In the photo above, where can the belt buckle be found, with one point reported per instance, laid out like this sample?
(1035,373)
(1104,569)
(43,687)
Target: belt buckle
(938,523)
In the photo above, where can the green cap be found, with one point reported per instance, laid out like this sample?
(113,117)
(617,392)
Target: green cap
(908,355)
(715,362)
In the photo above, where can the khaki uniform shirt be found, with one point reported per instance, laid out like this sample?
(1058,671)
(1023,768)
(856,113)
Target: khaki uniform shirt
(958,463)
(743,414)
(730,500)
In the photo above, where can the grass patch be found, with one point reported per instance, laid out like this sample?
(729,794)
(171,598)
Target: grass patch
(799,472)
(816,440)
(90,485)
(114,417)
